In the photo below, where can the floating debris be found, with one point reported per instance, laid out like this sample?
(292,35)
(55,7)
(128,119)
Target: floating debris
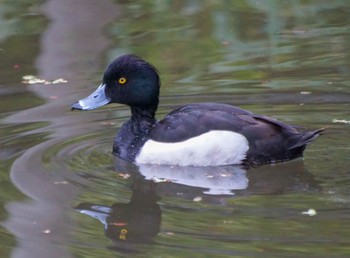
(310,212)
(197,199)
(337,121)
(107,123)
(161,180)
(305,92)
(60,80)
(124,176)
(46,231)
(60,183)
(31,79)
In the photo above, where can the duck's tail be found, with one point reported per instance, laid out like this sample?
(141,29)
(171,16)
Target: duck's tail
(305,138)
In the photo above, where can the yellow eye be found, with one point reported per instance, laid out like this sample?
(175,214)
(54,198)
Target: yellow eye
(122,80)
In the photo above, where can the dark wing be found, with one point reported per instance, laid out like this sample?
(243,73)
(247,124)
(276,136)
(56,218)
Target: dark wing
(195,119)
(269,140)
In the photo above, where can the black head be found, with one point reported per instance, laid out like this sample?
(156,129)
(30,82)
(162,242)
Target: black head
(127,80)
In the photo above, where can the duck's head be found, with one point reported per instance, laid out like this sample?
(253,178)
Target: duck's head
(127,80)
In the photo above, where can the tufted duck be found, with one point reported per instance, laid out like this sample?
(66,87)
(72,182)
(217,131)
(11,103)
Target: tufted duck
(201,134)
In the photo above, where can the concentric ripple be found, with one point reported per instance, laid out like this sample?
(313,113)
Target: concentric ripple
(80,194)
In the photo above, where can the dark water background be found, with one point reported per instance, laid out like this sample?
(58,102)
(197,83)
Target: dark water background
(64,195)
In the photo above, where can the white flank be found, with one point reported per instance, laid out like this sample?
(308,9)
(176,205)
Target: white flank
(213,148)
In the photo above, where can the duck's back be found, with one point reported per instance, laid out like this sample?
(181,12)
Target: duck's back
(212,131)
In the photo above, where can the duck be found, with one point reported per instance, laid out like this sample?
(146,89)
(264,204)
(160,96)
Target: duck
(197,134)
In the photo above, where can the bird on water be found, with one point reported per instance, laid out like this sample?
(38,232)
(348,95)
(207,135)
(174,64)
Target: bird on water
(198,134)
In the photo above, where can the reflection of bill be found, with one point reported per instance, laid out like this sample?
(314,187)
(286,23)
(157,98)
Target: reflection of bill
(136,221)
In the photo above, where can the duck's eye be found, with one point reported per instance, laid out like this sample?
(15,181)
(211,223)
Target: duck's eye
(122,80)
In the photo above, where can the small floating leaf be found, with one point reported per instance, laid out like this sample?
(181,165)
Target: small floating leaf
(60,80)
(124,176)
(161,180)
(337,121)
(197,199)
(310,212)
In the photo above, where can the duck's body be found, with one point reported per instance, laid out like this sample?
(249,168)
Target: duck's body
(202,134)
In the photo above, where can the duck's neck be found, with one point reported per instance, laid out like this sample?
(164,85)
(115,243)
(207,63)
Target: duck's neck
(142,119)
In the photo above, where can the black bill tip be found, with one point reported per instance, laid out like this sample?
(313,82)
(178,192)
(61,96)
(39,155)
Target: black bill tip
(76,106)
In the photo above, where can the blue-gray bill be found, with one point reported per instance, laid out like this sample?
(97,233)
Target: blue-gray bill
(97,99)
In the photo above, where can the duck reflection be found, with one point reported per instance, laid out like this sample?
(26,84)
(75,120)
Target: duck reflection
(215,182)
(139,220)
(136,221)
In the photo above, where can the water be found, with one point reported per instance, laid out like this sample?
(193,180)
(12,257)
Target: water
(65,195)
